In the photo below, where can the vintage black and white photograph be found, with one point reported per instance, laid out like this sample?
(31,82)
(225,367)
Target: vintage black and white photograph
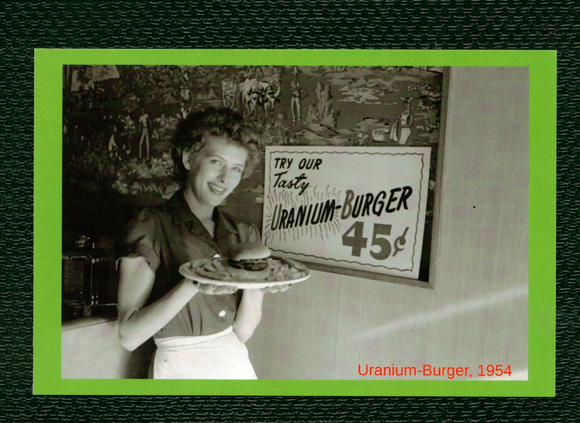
(295,222)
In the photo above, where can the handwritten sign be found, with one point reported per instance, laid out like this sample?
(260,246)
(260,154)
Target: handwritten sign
(351,207)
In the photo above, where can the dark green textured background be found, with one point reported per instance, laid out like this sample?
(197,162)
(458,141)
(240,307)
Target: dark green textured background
(322,24)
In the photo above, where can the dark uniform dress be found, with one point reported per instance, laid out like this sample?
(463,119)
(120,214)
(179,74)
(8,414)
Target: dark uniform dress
(199,342)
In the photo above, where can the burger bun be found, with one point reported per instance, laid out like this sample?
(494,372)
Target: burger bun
(250,251)
(252,257)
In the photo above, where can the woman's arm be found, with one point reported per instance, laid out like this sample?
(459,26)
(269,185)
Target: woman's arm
(137,324)
(249,313)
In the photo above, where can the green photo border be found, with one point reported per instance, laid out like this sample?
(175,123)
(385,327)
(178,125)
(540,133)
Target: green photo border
(48,227)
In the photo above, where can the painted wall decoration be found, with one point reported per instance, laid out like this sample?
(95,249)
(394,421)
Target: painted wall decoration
(118,123)
(362,209)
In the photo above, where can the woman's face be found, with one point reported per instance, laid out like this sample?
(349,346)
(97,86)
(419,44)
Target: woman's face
(215,170)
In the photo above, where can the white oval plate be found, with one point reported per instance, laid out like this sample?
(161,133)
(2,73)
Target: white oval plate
(188,270)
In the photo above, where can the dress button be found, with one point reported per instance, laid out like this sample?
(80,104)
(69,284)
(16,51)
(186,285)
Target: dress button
(222,313)
(216,255)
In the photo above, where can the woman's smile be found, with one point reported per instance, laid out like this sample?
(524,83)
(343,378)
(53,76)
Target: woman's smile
(217,190)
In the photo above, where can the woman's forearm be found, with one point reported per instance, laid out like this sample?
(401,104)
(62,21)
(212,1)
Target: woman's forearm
(137,322)
(142,324)
(249,314)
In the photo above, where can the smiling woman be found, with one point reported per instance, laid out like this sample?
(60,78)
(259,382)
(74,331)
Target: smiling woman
(213,173)
(199,329)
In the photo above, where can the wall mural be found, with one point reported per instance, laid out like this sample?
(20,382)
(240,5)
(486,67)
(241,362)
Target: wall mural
(118,123)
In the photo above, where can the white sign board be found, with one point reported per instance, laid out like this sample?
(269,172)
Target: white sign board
(351,207)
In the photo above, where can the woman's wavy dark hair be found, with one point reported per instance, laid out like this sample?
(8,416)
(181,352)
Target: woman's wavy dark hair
(219,122)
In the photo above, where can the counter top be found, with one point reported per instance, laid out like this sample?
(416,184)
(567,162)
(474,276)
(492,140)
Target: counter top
(86,321)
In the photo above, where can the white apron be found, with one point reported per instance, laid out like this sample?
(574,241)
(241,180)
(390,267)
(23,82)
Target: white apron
(218,356)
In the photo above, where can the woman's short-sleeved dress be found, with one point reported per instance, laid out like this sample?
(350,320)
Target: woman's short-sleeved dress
(168,236)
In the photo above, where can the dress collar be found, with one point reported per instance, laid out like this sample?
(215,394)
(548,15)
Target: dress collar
(183,214)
